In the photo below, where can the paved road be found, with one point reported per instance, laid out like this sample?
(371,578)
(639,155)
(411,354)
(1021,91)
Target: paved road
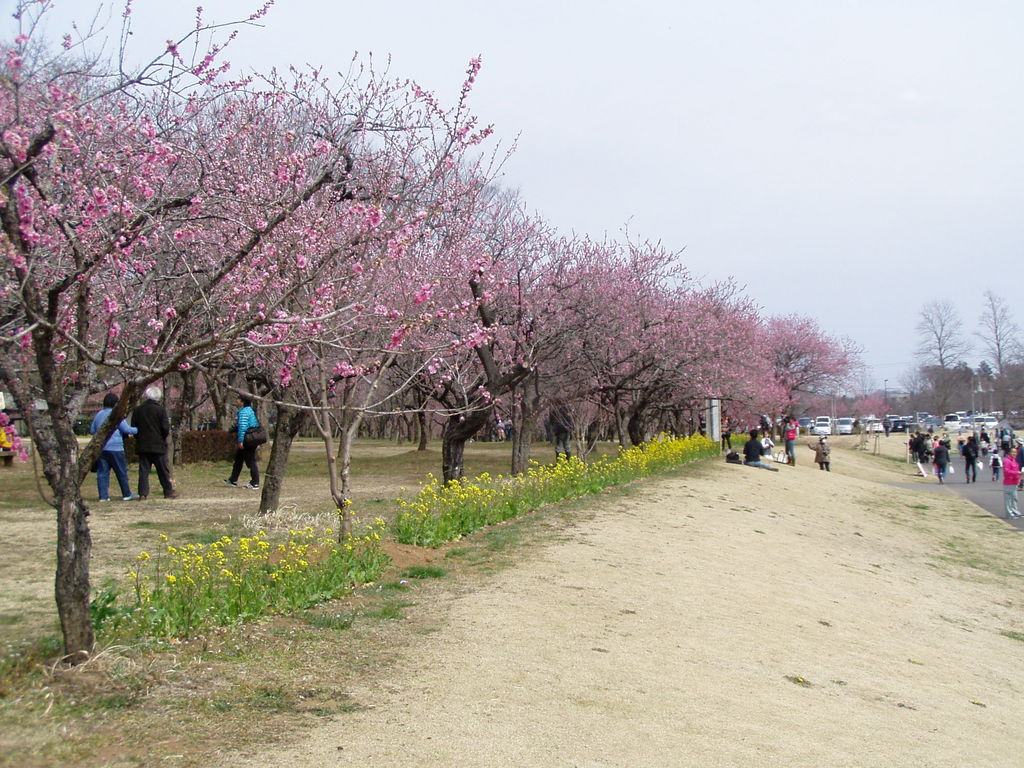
(986,494)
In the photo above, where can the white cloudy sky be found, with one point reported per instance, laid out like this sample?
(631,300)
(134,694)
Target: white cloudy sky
(845,160)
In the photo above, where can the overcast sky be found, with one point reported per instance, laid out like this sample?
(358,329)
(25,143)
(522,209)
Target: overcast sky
(845,160)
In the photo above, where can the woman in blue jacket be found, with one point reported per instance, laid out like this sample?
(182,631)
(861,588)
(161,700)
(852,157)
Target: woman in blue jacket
(112,456)
(246,419)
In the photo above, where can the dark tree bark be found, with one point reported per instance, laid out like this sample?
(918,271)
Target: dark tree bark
(635,427)
(524,410)
(183,418)
(71,586)
(289,422)
(424,430)
(457,430)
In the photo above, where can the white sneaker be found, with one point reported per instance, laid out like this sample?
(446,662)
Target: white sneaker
(252,487)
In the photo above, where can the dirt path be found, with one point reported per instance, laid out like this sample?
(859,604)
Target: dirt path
(732,618)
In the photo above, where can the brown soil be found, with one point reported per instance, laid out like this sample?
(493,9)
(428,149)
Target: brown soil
(724,616)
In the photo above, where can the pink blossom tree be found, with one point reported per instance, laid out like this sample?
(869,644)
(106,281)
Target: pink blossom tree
(807,362)
(146,219)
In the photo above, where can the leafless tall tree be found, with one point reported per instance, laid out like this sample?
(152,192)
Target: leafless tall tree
(942,343)
(999,333)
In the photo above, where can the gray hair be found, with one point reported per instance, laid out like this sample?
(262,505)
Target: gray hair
(153,392)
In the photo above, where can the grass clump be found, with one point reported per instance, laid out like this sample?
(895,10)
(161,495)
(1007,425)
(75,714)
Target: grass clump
(332,621)
(424,572)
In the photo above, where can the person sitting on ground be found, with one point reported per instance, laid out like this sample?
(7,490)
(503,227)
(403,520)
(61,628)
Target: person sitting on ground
(753,450)
(822,453)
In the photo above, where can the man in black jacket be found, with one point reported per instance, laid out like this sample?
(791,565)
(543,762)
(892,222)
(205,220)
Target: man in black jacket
(970,454)
(753,450)
(151,443)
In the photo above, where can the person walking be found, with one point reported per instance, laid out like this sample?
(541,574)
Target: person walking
(940,455)
(921,447)
(822,453)
(1011,480)
(245,419)
(150,419)
(995,462)
(112,456)
(560,421)
(970,454)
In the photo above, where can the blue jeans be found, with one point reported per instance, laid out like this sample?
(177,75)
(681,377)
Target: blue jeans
(112,460)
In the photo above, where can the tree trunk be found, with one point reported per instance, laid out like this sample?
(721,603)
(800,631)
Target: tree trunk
(184,416)
(522,434)
(524,409)
(289,422)
(621,433)
(343,499)
(71,586)
(635,427)
(593,433)
(421,420)
(457,431)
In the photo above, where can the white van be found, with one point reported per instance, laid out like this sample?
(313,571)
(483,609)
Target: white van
(844,426)
(822,426)
(951,422)
(986,422)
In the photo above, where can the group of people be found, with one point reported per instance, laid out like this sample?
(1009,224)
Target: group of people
(150,426)
(760,444)
(1004,458)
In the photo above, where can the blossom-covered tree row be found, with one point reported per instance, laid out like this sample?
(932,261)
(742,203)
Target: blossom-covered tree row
(338,245)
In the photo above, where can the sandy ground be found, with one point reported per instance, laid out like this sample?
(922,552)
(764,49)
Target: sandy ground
(724,617)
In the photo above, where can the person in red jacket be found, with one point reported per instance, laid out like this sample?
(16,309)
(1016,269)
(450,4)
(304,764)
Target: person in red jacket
(1011,478)
(792,430)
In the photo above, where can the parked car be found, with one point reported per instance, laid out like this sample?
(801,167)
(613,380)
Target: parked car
(986,422)
(898,425)
(951,422)
(875,425)
(806,424)
(844,426)
(823,425)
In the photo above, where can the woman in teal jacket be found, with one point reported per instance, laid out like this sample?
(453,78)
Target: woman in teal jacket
(246,419)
